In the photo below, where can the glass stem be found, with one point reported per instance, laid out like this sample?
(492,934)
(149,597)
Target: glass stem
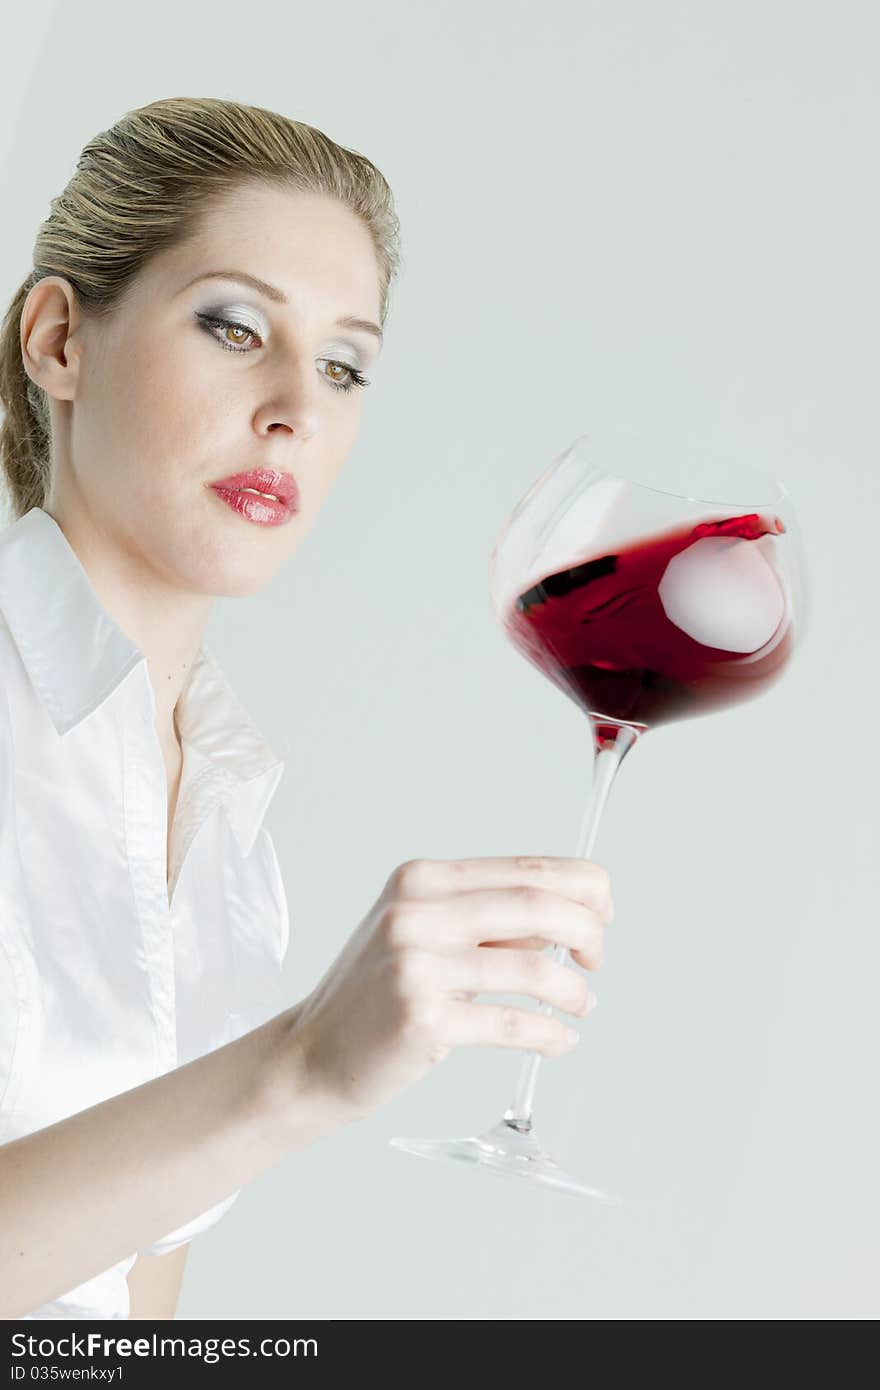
(608,760)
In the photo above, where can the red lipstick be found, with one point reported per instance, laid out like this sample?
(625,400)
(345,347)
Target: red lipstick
(274,509)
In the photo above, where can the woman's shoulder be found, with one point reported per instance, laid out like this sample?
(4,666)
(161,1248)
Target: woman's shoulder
(12,674)
(12,986)
(7,795)
(5,726)
(21,708)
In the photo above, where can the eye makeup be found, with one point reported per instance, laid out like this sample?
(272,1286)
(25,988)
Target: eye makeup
(254,322)
(209,322)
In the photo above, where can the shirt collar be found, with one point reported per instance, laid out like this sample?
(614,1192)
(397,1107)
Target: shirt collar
(76,656)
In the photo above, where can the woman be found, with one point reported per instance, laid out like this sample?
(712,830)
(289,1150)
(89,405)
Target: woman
(208,296)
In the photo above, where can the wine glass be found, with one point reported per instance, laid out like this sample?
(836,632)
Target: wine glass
(650,583)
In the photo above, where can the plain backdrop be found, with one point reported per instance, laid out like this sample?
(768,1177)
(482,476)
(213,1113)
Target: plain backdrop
(660,217)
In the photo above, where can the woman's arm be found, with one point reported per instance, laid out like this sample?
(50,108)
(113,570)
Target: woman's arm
(154,1284)
(83,1193)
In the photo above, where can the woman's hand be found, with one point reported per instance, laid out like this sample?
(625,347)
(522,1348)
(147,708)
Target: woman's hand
(400,995)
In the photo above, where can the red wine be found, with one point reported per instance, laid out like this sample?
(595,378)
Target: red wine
(670,627)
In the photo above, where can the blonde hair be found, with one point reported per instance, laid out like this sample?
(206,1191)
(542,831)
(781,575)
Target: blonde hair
(143,186)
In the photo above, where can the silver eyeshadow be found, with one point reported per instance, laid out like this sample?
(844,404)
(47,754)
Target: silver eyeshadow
(255,322)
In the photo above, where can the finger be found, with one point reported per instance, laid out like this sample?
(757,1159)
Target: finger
(530,943)
(513,972)
(504,1025)
(540,943)
(582,880)
(507,914)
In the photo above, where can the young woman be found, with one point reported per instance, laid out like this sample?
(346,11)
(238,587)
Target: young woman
(207,298)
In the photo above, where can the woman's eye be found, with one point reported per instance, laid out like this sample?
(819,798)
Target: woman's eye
(240,332)
(240,329)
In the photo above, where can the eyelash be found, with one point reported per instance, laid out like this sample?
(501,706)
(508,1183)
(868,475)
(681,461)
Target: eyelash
(208,321)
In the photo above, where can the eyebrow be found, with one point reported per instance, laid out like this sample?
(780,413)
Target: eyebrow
(272,292)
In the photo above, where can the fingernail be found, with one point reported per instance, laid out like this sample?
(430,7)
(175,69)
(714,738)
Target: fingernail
(572,1035)
(592,1001)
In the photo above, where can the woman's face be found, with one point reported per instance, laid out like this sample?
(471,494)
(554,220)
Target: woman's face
(161,408)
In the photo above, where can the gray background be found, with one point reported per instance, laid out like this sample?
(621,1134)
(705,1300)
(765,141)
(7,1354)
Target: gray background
(660,217)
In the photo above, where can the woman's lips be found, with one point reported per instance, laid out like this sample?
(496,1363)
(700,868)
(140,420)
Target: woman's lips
(269,480)
(273,510)
(266,511)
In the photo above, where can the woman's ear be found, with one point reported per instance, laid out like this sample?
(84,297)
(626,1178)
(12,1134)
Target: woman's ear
(50,319)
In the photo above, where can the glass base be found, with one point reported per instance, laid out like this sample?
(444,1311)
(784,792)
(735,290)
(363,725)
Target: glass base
(509,1152)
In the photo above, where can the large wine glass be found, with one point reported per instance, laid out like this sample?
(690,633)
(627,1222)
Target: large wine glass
(650,583)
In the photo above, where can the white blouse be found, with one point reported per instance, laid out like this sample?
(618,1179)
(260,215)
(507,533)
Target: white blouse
(110,976)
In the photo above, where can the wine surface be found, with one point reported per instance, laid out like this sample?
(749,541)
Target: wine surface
(670,627)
